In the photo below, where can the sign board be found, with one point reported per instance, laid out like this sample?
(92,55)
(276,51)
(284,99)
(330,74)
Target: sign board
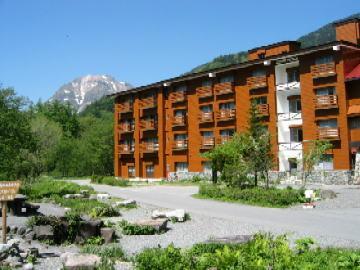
(8,190)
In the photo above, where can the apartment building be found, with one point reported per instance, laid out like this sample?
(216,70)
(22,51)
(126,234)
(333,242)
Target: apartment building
(161,129)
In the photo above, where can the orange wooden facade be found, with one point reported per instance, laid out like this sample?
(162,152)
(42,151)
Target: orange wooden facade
(173,122)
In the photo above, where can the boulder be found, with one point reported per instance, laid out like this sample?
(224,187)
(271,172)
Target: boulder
(159,224)
(125,203)
(28,266)
(178,214)
(21,230)
(73,196)
(103,197)
(327,194)
(74,261)
(158,214)
(4,247)
(107,234)
(29,236)
(43,232)
(235,239)
(88,228)
(93,197)
(13,230)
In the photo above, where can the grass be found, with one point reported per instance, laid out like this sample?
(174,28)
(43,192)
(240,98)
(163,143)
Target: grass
(109,180)
(110,251)
(272,197)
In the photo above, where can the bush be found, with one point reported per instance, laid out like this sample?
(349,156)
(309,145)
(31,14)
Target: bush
(95,240)
(109,180)
(134,229)
(79,206)
(111,251)
(104,211)
(271,197)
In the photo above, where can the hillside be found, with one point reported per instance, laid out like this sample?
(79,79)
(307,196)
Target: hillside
(322,35)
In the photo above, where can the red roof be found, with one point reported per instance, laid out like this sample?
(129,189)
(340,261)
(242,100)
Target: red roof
(354,74)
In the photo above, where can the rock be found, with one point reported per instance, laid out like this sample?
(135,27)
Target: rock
(158,224)
(4,247)
(178,214)
(43,232)
(327,194)
(236,239)
(73,261)
(93,197)
(73,196)
(28,266)
(23,255)
(125,203)
(13,230)
(107,234)
(88,228)
(103,197)
(14,242)
(13,261)
(33,252)
(28,230)
(84,192)
(29,236)
(21,230)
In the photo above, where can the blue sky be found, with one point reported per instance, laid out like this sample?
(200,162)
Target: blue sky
(46,43)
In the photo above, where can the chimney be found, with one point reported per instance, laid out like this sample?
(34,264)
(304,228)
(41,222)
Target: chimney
(348,30)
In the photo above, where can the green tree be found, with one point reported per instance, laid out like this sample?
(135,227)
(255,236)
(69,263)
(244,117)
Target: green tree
(16,140)
(313,154)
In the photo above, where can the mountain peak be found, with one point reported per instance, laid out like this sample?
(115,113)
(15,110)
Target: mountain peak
(83,91)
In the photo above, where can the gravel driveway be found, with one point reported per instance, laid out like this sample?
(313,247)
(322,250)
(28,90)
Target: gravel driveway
(333,223)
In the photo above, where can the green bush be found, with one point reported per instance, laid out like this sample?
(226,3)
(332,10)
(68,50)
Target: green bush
(134,229)
(109,180)
(104,211)
(111,251)
(95,240)
(80,206)
(271,197)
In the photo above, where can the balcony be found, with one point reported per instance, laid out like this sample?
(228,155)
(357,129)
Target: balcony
(178,121)
(204,91)
(149,102)
(256,82)
(126,149)
(326,102)
(290,146)
(291,86)
(124,107)
(179,145)
(126,128)
(207,143)
(206,117)
(226,115)
(323,70)
(224,138)
(177,96)
(325,133)
(148,125)
(150,147)
(224,88)
(263,109)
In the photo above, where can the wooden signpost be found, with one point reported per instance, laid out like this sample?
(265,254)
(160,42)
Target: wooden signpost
(8,190)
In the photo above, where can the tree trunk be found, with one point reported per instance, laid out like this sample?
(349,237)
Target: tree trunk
(214,176)
(256,179)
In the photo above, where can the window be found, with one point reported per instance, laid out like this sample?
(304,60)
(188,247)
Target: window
(296,134)
(131,171)
(149,171)
(206,83)
(324,60)
(259,73)
(227,106)
(326,163)
(179,113)
(206,109)
(261,55)
(292,165)
(181,167)
(295,105)
(226,79)
(180,137)
(208,134)
(207,169)
(227,132)
(292,74)
(152,140)
(354,123)
(325,91)
(329,123)
(260,100)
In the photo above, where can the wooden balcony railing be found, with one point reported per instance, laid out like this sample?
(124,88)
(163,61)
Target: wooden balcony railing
(204,91)
(326,102)
(224,88)
(323,70)
(225,115)
(326,133)
(263,109)
(149,147)
(207,142)
(126,149)
(148,124)
(149,102)
(177,96)
(256,82)
(180,145)
(126,127)
(224,139)
(178,121)
(124,107)
(206,117)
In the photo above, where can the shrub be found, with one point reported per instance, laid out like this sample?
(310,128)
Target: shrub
(109,180)
(79,206)
(271,197)
(104,211)
(111,251)
(135,229)
(95,240)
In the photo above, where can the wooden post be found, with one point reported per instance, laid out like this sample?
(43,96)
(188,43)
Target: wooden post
(4,210)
